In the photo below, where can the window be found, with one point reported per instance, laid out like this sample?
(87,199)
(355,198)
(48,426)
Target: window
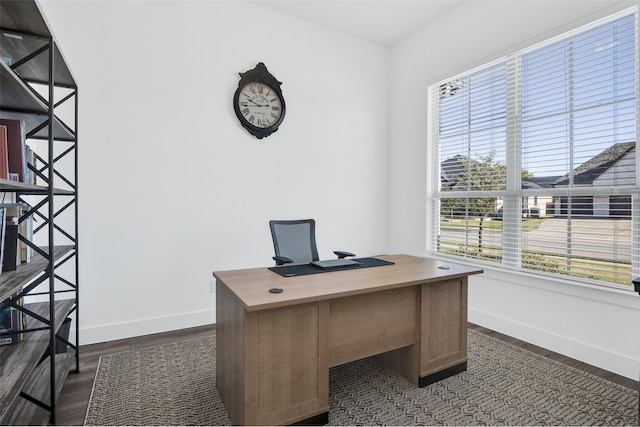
(537,158)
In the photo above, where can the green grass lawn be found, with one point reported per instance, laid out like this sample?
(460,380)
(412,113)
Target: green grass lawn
(593,269)
(588,268)
(528,224)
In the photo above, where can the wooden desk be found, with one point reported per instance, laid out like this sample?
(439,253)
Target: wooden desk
(274,351)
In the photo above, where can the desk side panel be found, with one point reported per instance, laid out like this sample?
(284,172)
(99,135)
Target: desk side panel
(287,378)
(230,352)
(444,325)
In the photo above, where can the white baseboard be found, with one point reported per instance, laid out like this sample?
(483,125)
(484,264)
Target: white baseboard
(115,331)
(613,362)
(617,363)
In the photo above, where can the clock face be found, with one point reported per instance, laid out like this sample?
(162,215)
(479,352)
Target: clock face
(259,105)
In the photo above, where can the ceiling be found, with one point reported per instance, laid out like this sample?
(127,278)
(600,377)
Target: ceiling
(381,21)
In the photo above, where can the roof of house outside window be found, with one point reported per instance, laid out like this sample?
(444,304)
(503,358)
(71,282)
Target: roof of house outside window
(585,174)
(589,171)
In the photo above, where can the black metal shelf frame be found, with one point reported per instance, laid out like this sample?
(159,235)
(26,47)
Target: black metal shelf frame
(36,59)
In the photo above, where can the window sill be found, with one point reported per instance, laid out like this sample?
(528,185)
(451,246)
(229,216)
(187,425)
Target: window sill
(613,295)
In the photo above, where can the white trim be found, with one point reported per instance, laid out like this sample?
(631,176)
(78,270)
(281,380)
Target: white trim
(115,331)
(562,344)
(433,166)
(555,283)
(615,296)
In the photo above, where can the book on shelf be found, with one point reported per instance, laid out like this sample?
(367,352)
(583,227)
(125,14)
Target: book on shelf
(11,257)
(3,229)
(4,154)
(11,323)
(16,141)
(26,229)
(14,251)
(30,156)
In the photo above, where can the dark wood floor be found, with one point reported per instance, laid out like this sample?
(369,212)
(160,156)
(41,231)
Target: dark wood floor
(72,404)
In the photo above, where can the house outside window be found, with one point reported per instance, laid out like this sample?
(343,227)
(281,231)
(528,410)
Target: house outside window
(537,160)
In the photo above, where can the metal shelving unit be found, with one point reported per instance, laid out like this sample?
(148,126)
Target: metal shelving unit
(35,85)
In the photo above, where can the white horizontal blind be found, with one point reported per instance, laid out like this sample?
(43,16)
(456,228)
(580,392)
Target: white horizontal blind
(473,141)
(538,157)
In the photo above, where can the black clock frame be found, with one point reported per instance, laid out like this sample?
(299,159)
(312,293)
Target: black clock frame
(259,74)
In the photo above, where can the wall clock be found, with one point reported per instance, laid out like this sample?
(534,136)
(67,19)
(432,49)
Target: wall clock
(258,102)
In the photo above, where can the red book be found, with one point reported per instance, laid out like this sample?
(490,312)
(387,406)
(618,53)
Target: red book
(4,155)
(15,146)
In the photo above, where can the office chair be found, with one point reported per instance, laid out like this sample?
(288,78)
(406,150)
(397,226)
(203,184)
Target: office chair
(294,241)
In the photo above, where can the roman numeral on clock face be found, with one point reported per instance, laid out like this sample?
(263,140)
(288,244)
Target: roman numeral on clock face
(259,105)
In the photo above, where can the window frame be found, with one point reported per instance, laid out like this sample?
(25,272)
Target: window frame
(513,193)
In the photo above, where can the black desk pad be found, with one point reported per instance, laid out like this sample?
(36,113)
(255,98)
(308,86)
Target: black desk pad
(304,269)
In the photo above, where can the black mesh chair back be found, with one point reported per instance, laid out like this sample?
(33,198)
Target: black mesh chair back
(294,241)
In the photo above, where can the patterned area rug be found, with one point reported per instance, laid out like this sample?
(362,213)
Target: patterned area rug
(174,384)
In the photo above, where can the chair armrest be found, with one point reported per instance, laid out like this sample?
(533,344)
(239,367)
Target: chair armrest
(343,254)
(280,260)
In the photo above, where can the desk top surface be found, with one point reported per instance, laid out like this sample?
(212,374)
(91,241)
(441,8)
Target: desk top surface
(251,286)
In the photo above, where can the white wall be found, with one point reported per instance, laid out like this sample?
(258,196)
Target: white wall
(593,325)
(171,186)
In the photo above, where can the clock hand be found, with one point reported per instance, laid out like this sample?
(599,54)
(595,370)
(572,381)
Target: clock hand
(251,100)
